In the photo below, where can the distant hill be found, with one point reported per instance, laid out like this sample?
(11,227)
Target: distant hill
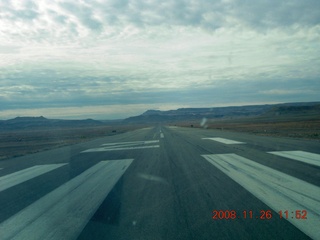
(268,111)
(42,122)
(296,109)
(182,114)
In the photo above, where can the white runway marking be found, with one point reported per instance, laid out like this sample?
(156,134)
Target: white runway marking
(306,157)
(132,143)
(120,146)
(224,140)
(63,213)
(21,176)
(276,189)
(161,135)
(152,178)
(106,149)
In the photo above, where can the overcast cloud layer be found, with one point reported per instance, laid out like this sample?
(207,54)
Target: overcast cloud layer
(113,59)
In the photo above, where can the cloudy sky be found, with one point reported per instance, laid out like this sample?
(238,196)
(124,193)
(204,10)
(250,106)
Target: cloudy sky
(108,59)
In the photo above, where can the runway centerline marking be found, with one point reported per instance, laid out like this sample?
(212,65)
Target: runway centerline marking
(120,146)
(223,140)
(63,213)
(301,156)
(276,189)
(21,176)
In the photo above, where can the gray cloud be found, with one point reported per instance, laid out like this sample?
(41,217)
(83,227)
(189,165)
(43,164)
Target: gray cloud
(9,50)
(56,54)
(97,15)
(84,14)
(26,12)
(169,13)
(215,14)
(274,13)
(31,90)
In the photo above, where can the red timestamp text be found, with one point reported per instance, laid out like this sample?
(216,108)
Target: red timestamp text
(262,214)
(297,214)
(246,214)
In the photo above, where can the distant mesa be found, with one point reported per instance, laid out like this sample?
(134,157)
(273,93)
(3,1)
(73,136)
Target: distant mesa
(42,122)
(183,114)
(151,112)
(289,110)
(283,110)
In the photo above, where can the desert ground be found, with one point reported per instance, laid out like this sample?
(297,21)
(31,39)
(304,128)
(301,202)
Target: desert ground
(15,143)
(302,128)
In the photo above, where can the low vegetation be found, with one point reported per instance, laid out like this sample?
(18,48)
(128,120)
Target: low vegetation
(25,135)
(15,143)
(307,129)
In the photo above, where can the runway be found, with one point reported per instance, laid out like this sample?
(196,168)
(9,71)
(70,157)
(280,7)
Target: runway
(165,183)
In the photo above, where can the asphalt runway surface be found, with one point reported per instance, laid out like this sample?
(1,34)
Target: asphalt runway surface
(165,183)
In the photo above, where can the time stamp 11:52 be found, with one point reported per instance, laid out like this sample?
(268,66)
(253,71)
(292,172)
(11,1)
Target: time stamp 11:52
(262,214)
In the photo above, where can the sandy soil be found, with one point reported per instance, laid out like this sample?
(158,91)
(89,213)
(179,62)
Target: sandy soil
(18,143)
(306,129)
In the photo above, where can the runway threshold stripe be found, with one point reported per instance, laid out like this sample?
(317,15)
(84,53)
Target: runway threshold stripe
(224,140)
(131,143)
(306,157)
(276,189)
(21,176)
(63,213)
(107,149)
